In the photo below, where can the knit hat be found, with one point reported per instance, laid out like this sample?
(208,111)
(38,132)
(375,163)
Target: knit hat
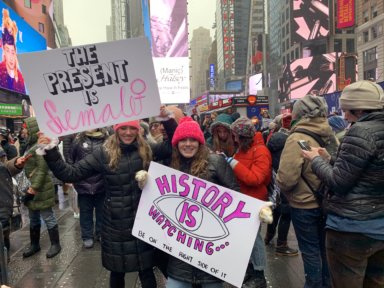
(243,127)
(187,128)
(337,123)
(310,106)
(362,95)
(224,120)
(134,124)
(286,120)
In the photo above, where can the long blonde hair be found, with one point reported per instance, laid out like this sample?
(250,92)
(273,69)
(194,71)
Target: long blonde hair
(199,166)
(112,148)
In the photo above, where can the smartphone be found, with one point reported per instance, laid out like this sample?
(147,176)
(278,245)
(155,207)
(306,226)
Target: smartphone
(304,145)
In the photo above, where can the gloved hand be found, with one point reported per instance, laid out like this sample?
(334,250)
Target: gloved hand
(265,214)
(141,178)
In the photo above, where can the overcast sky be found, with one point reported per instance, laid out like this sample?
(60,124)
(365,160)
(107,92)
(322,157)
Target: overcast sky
(86,19)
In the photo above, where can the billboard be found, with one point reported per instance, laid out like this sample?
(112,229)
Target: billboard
(255,83)
(257,53)
(311,75)
(169,35)
(345,13)
(309,20)
(234,85)
(17,37)
(212,76)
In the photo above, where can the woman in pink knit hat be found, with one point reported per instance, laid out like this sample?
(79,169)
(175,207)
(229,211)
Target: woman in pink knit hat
(191,155)
(122,156)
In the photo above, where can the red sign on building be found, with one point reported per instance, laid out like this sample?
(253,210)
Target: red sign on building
(345,13)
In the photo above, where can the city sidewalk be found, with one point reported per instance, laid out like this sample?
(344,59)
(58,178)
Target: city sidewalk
(77,267)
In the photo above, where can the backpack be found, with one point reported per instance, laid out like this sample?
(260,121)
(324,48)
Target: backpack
(322,192)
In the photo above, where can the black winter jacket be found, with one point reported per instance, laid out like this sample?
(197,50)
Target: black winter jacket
(357,176)
(276,145)
(219,173)
(81,146)
(121,252)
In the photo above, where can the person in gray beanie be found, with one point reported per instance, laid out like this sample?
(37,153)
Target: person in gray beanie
(355,222)
(298,184)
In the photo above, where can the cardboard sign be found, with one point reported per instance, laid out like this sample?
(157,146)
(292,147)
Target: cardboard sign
(201,223)
(86,87)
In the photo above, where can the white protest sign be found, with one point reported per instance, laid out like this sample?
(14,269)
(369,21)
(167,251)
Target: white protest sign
(80,88)
(201,223)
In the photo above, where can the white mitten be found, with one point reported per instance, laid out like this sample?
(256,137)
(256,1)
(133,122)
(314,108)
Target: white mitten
(265,214)
(141,178)
(41,148)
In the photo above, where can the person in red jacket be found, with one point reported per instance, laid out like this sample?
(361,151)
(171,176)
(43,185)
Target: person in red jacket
(252,165)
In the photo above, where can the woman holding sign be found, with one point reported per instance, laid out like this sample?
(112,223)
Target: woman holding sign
(192,156)
(118,160)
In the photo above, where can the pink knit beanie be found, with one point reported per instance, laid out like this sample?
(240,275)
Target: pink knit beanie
(187,128)
(134,124)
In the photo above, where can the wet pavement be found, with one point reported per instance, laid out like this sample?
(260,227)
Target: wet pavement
(77,267)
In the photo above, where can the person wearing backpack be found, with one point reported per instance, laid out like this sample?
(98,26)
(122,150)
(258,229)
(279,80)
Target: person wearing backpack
(355,222)
(298,183)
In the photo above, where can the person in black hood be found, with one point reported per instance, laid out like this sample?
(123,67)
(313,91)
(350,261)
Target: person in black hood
(8,148)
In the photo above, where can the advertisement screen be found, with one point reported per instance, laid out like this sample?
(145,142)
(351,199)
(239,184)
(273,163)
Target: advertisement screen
(17,37)
(345,13)
(234,85)
(311,75)
(255,83)
(257,53)
(309,20)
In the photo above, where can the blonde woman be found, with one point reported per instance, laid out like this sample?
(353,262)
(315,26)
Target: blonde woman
(118,160)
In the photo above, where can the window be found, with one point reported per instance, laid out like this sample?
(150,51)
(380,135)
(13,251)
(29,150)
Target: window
(41,27)
(366,36)
(369,56)
(365,16)
(374,11)
(27,3)
(374,32)
(44,9)
(370,74)
(338,45)
(350,45)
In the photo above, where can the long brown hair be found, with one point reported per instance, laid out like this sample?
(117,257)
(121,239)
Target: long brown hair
(228,147)
(112,148)
(199,166)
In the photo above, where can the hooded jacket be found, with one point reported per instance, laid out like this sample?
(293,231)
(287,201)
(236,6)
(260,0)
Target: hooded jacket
(254,169)
(293,167)
(36,170)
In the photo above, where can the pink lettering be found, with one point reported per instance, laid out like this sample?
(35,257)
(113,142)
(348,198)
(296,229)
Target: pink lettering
(238,213)
(224,201)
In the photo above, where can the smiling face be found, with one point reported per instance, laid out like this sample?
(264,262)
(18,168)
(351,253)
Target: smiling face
(127,134)
(9,57)
(188,147)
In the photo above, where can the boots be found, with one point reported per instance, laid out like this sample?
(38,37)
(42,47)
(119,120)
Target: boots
(34,234)
(282,249)
(55,242)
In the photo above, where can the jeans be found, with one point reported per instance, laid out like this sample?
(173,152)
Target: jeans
(47,214)
(355,260)
(88,203)
(310,234)
(258,255)
(173,283)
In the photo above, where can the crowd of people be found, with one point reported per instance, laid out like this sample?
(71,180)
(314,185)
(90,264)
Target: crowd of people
(340,234)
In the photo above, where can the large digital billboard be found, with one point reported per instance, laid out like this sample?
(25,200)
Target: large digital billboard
(16,37)
(309,20)
(311,75)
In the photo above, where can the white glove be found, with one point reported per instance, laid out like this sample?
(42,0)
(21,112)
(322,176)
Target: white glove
(265,214)
(141,178)
(41,148)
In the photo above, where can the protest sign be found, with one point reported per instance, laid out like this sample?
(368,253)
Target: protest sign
(86,87)
(198,222)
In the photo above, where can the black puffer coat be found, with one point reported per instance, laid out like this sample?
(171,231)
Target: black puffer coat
(219,173)
(121,252)
(84,144)
(357,177)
